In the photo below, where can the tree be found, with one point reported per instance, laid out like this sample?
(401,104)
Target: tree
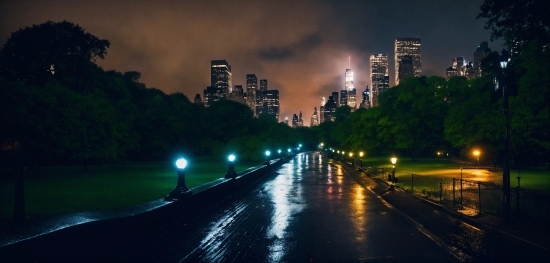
(530,109)
(415,110)
(517,22)
(60,50)
(474,118)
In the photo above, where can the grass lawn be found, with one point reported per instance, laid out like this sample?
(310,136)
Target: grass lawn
(61,190)
(434,169)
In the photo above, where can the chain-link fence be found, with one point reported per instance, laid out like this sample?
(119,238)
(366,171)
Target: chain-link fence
(481,196)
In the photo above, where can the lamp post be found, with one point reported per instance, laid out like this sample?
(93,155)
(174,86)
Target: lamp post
(343,156)
(279,153)
(361,159)
(231,174)
(181,189)
(476,154)
(352,159)
(393,162)
(267,153)
(504,58)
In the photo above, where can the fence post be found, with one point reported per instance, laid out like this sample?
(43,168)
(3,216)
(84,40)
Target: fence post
(518,198)
(440,189)
(454,198)
(412,183)
(461,185)
(479,196)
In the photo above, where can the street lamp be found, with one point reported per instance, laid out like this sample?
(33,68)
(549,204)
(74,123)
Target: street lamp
(504,59)
(352,160)
(267,153)
(476,154)
(393,162)
(279,152)
(231,174)
(181,189)
(361,159)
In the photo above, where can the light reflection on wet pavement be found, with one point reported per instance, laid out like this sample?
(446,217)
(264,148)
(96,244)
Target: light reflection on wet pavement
(310,211)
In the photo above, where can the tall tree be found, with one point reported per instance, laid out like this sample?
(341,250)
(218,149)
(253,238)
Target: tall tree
(517,22)
(60,50)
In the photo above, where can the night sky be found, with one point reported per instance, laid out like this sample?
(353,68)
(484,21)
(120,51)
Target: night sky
(300,47)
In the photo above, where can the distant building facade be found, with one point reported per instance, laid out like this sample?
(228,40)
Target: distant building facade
(237,95)
(220,82)
(329,110)
(251,89)
(269,103)
(407,59)
(481,53)
(379,76)
(220,72)
(314,118)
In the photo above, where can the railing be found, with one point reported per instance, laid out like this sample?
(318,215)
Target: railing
(481,196)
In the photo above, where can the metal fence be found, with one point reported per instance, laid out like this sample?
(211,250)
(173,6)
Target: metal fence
(481,196)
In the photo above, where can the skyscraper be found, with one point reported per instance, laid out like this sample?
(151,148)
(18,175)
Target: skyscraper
(237,95)
(351,95)
(349,79)
(407,59)
(481,52)
(263,84)
(220,75)
(322,111)
(263,87)
(352,99)
(314,118)
(335,98)
(343,97)
(269,104)
(330,110)
(380,80)
(251,87)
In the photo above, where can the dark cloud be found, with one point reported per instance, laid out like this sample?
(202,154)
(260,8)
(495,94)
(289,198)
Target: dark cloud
(304,45)
(273,53)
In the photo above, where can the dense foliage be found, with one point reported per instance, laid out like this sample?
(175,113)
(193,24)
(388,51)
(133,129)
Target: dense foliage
(58,106)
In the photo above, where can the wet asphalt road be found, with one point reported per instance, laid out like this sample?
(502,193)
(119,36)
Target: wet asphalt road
(308,211)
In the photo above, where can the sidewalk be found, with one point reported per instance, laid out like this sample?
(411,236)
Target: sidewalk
(534,233)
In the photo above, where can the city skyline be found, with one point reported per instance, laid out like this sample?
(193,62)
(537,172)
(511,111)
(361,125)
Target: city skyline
(303,50)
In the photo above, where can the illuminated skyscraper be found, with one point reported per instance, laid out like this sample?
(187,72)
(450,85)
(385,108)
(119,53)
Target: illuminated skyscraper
(314,118)
(352,99)
(269,104)
(263,87)
(407,59)
(343,97)
(350,96)
(349,79)
(251,88)
(380,80)
(220,75)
